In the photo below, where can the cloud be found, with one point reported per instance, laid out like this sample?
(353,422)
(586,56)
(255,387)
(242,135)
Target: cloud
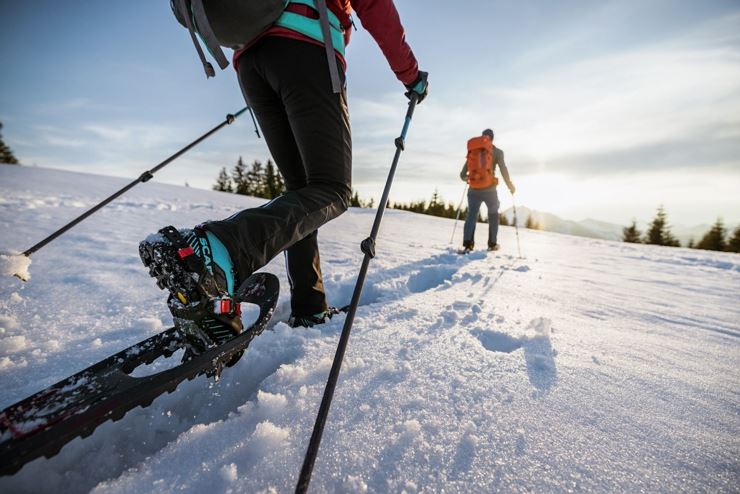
(108,132)
(670,104)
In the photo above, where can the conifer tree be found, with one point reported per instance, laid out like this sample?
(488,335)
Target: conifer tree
(733,245)
(659,233)
(280,182)
(631,234)
(436,206)
(6,155)
(714,239)
(354,201)
(531,223)
(272,182)
(223,182)
(502,219)
(239,178)
(255,181)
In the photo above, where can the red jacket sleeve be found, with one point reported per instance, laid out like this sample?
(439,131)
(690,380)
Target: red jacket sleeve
(381,20)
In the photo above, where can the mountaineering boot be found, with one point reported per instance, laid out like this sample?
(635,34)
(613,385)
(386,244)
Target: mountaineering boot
(468,246)
(493,246)
(314,319)
(195,267)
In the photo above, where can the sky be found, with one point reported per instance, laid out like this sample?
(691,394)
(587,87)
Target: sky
(604,110)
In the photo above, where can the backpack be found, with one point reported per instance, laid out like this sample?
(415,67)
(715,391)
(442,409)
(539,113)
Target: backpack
(481,170)
(236,23)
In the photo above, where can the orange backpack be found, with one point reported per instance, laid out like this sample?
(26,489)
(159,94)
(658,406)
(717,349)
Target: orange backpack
(481,174)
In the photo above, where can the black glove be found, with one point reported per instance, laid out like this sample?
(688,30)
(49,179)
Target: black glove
(420,87)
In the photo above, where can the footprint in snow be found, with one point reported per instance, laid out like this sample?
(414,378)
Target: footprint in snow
(539,354)
(494,341)
(430,277)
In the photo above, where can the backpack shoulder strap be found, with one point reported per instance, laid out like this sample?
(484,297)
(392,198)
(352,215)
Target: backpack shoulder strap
(183,8)
(209,37)
(336,84)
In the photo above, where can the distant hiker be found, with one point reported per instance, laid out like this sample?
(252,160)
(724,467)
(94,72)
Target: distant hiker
(286,80)
(479,171)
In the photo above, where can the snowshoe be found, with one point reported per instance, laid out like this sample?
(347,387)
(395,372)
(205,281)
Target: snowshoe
(43,423)
(196,269)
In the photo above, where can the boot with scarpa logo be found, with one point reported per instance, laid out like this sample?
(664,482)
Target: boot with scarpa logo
(197,270)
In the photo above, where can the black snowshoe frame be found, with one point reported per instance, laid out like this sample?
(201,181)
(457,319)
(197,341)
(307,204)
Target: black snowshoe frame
(43,423)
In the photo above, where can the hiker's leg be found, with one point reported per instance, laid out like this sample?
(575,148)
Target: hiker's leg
(492,203)
(288,87)
(474,202)
(303,265)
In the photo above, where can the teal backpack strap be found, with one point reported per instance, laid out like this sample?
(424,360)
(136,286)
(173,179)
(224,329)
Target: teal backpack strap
(326,29)
(207,34)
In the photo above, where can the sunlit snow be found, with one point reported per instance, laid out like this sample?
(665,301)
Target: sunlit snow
(588,365)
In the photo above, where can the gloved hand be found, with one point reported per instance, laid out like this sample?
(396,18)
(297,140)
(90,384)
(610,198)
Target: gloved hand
(512,189)
(420,87)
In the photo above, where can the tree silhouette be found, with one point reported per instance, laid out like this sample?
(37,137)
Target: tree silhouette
(631,234)
(659,233)
(531,223)
(714,239)
(733,245)
(223,182)
(273,184)
(6,155)
(239,178)
(255,182)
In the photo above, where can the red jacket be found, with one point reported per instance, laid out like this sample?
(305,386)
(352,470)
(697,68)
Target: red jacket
(379,17)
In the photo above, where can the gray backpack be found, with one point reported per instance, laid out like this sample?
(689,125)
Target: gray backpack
(236,23)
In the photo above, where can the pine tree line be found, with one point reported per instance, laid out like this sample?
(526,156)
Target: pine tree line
(441,208)
(659,233)
(258,181)
(6,155)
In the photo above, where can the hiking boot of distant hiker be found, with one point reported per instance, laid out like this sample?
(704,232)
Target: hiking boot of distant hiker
(492,247)
(195,267)
(313,320)
(468,246)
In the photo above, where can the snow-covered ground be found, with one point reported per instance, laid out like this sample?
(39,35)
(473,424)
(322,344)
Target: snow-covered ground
(587,365)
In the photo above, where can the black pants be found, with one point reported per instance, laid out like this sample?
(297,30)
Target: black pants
(306,126)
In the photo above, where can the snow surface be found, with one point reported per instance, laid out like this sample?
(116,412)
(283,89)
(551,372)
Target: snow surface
(15,264)
(588,365)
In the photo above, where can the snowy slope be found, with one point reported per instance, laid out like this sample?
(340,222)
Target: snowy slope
(588,365)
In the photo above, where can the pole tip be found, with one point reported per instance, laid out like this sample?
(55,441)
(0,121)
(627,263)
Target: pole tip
(15,264)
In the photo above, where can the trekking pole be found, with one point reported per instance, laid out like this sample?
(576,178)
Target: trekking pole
(144,177)
(368,248)
(459,209)
(516,227)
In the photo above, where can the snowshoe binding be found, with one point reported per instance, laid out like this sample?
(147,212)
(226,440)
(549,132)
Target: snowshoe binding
(195,267)
(314,319)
